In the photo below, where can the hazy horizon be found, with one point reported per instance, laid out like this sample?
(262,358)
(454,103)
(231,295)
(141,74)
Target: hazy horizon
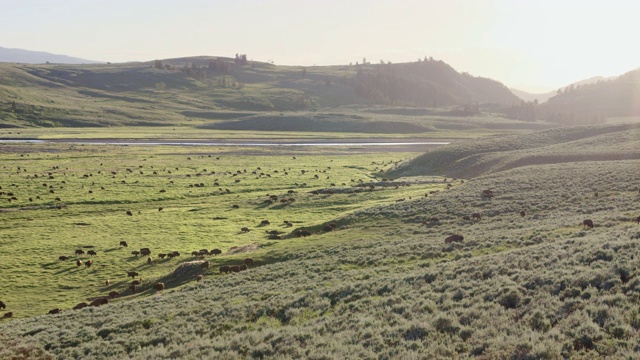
(535,46)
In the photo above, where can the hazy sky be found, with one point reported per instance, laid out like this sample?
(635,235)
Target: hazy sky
(534,45)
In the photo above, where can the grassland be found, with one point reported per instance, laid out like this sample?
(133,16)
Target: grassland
(382,285)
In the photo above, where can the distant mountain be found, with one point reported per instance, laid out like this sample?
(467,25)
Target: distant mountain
(544,97)
(38,57)
(595,99)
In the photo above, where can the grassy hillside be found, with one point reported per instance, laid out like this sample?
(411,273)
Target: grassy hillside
(384,283)
(198,90)
(472,158)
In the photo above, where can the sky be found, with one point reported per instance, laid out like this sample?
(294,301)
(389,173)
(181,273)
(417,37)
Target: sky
(532,45)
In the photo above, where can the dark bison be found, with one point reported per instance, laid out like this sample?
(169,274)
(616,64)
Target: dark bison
(235,206)
(91,253)
(243,267)
(79,252)
(149,261)
(7,315)
(55,311)
(245,229)
(135,283)
(88,263)
(145,251)
(135,253)
(99,302)
(63,258)
(265,222)
(107,282)
(114,294)
(588,223)
(123,243)
(487,193)
(638,219)
(248,261)
(162,256)
(132,274)
(132,288)
(224,269)
(522,213)
(129,213)
(476,216)
(205,265)
(453,238)
(82,305)
(199,278)
(159,286)
(195,253)
(234,268)
(2,305)
(466,218)
(79,263)
(215,252)
(302,233)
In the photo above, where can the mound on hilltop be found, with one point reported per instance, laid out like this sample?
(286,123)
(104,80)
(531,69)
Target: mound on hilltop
(574,144)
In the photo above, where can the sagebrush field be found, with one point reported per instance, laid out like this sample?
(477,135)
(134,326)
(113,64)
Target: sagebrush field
(529,280)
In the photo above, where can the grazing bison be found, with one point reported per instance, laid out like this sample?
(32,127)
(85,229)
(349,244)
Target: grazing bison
(162,256)
(216,252)
(466,217)
(245,229)
(476,216)
(638,219)
(123,243)
(235,206)
(160,208)
(274,237)
(7,315)
(265,222)
(135,253)
(242,267)
(107,282)
(135,283)
(159,286)
(248,261)
(63,258)
(88,263)
(149,261)
(487,193)
(82,305)
(145,251)
(91,253)
(129,213)
(522,213)
(132,274)
(453,238)
(132,288)
(203,252)
(205,265)
(114,294)
(79,252)
(99,302)
(268,202)
(2,305)
(79,263)
(199,278)
(302,233)
(224,269)
(234,268)
(588,223)
(55,311)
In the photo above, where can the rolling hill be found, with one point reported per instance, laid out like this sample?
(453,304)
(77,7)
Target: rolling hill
(192,90)
(38,57)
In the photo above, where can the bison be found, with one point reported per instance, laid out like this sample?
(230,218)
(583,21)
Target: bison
(248,261)
(159,286)
(114,294)
(7,315)
(107,282)
(135,283)
(245,229)
(234,268)
(216,252)
(79,263)
(99,302)
(522,213)
(129,213)
(235,206)
(132,274)
(453,238)
(205,265)
(2,305)
(149,261)
(91,253)
(55,311)
(302,233)
(123,243)
(135,253)
(88,263)
(588,223)
(145,251)
(265,222)
(224,269)
(79,252)
(466,218)
(638,219)
(63,258)
(243,267)
(132,288)
(82,305)
(476,216)
(162,256)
